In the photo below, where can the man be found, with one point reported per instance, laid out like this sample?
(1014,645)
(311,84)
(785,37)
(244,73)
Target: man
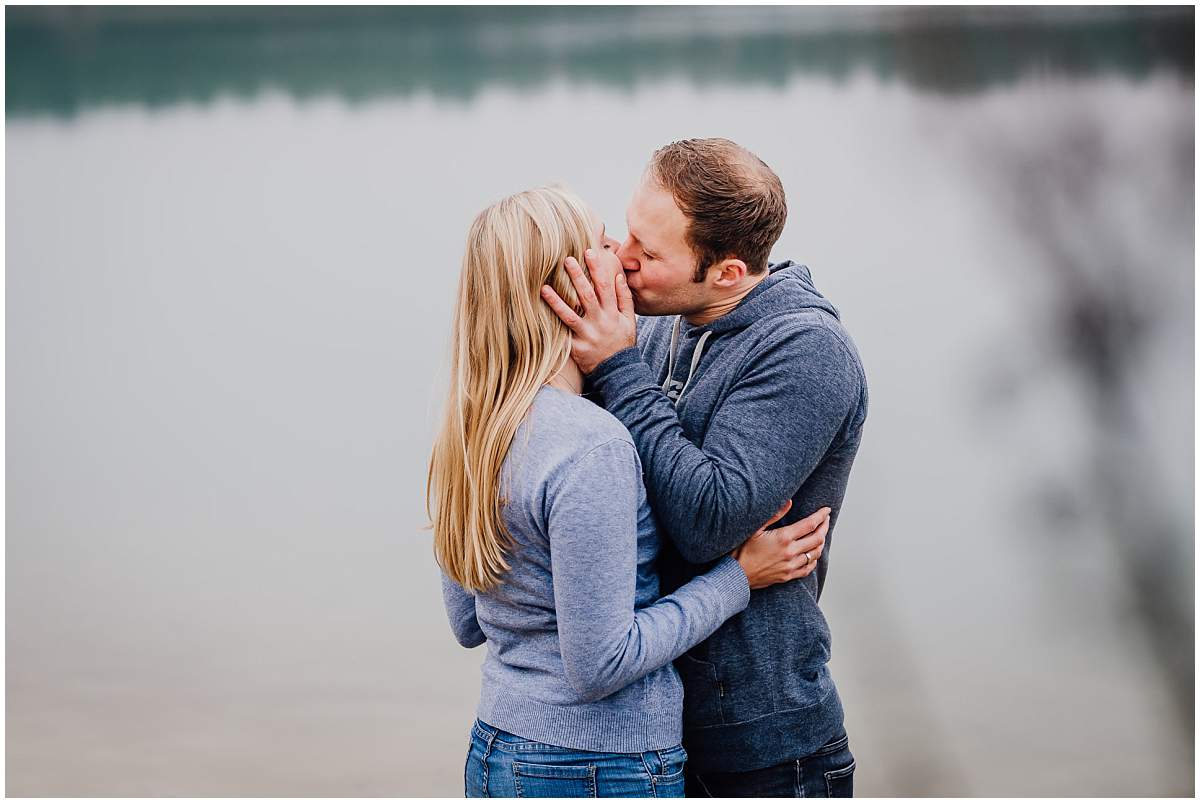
(742,390)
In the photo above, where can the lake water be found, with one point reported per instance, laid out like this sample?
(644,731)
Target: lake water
(229,287)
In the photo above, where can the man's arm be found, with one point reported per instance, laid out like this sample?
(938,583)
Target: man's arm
(762,443)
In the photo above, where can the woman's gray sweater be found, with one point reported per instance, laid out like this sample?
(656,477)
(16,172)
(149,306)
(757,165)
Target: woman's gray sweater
(579,643)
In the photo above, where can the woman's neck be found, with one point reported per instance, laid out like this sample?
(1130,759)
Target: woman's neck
(569,379)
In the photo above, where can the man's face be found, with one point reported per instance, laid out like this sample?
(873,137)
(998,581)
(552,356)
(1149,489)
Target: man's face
(658,262)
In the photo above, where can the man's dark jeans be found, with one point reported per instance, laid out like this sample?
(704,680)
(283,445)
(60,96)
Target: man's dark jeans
(829,772)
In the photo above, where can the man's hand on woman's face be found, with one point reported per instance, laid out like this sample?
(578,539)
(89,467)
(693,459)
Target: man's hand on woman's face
(608,323)
(788,553)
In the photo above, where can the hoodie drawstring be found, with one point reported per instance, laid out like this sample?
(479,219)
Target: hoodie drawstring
(671,360)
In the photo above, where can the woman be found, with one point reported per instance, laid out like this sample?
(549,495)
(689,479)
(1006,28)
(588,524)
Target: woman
(547,544)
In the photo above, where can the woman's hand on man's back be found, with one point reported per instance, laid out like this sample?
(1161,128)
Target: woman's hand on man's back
(787,553)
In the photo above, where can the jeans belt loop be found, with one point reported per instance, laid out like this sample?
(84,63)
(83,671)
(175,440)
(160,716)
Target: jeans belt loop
(488,733)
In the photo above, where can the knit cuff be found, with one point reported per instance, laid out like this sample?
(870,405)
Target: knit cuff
(732,584)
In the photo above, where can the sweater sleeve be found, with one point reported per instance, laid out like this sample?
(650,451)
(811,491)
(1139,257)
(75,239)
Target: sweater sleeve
(460,610)
(605,643)
(763,440)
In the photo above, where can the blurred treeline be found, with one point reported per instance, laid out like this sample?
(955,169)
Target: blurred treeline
(63,59)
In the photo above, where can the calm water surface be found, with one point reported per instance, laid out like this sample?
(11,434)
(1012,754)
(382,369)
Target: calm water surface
(227,327)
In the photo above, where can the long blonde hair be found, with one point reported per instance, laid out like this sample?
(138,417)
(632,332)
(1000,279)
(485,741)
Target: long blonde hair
(506,344)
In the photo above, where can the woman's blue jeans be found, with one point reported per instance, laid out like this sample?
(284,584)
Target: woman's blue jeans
(500,764)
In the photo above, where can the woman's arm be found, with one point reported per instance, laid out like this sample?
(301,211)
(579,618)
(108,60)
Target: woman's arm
(606,644)
(784,554)
(460,609)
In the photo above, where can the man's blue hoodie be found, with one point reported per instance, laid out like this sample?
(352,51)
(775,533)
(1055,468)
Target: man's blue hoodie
(764,404)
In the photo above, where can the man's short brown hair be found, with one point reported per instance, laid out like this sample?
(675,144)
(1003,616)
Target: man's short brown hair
(734,203)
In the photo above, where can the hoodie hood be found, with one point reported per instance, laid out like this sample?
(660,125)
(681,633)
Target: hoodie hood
(788,288)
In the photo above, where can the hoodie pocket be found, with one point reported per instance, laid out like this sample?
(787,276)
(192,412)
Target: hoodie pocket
(702,692)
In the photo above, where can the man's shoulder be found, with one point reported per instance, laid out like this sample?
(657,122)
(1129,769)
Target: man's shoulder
(807,334)
(805,348)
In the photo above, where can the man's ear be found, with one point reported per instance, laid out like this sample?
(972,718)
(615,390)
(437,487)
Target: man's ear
(730,272)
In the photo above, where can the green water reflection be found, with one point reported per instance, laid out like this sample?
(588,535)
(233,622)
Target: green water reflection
(62,60)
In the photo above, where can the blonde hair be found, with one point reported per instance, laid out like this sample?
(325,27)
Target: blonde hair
(506,344)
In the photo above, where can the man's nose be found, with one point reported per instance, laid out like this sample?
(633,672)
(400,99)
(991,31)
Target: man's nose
(625,254)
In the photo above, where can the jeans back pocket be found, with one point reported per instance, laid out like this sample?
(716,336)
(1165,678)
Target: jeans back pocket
(666,771)
(554,780)
(840,782)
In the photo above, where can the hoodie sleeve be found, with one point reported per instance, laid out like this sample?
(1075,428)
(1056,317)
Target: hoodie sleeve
(789,401)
